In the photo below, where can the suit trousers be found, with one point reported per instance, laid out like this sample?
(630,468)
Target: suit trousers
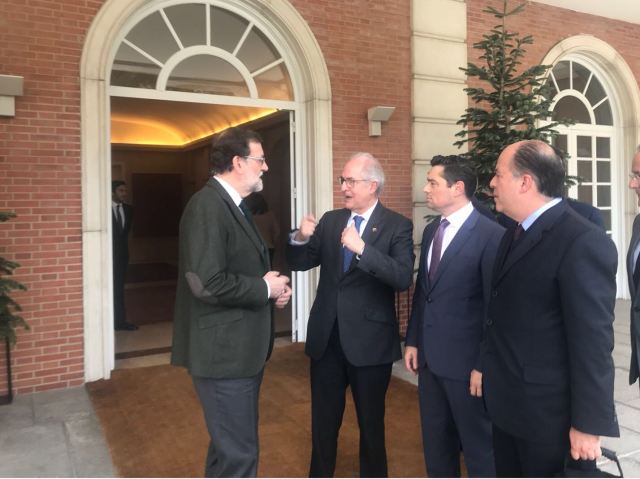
(119,277)
(230,409)
(518,457)
(330,376)
(453,419)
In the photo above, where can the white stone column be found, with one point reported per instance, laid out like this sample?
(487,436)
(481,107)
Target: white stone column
(439,49)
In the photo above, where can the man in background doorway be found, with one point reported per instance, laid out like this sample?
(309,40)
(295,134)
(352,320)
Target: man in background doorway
(633,274)
(122,220)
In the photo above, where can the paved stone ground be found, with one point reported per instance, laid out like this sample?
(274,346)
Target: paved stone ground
(57,434)
(53,434)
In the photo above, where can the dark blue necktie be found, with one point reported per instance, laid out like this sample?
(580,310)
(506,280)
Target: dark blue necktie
(347,254)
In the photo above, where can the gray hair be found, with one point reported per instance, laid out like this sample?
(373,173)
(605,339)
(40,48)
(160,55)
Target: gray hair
(372,169)
(638,149)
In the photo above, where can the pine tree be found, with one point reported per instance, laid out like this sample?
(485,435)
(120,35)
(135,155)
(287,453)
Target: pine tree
(9,320)
(511,105)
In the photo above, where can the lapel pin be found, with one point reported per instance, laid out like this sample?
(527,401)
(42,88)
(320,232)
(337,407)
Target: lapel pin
(374,229)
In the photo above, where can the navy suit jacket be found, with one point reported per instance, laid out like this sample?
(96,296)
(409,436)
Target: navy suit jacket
(549,334)
(447,317)
(362,300)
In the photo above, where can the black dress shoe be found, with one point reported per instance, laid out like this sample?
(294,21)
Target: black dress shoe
(126,327)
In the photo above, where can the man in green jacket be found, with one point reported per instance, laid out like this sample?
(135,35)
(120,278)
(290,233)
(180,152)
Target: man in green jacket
(223,329)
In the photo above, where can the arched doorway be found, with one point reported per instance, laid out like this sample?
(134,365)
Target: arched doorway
(593,85)
(179,58)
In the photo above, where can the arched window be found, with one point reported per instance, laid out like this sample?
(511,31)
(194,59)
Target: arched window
(201,48)
(578,94)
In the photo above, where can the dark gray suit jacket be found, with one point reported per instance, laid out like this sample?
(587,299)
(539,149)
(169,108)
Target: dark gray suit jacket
(634,368)
(549,332)
(362,300)
(447,317)
(222,324)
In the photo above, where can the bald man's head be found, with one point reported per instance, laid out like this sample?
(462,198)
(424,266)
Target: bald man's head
(543,162)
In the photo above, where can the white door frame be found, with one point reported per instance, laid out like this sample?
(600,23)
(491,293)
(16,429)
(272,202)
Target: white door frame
(313,152)
(624,94)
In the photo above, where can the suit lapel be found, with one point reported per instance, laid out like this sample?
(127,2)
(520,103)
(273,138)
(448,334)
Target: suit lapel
(454,247)
(531,237)
(429,233)
(635,238)
(239,217)
(339,225)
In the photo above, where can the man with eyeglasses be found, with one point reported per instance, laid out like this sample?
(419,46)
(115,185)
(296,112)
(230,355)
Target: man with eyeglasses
(223,329)
(633,273)
(365,254)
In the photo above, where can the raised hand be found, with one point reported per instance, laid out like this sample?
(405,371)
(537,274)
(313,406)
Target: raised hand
(307,227)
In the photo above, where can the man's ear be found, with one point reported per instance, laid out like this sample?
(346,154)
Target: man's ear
(459,187)
(237,163)
(526,183)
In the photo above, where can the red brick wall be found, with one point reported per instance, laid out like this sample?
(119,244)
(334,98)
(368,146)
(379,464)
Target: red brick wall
(550,25)
(366,45)
(42,41)
(367,49)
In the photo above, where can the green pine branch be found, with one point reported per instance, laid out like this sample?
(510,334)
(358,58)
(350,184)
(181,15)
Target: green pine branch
(508,103)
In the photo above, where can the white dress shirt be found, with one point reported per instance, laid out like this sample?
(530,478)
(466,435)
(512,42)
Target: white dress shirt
(119,216)
(456,220)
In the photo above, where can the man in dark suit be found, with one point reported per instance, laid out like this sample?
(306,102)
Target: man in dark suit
(223,331)
(366,254)
(548,372)
(122,219)
(633,274)
(446,324)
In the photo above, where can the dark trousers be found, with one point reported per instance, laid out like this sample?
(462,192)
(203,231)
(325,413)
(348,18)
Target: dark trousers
(230,409)
(517,457)
(330,377)
(453,419)
(119,277)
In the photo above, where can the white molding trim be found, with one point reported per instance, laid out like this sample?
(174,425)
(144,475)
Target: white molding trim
(185,53)
(313,149)
(624,95)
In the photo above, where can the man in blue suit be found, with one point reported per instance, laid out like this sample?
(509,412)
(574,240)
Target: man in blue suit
(446,324)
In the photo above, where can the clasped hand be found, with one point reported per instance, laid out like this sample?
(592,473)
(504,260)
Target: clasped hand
(279,288)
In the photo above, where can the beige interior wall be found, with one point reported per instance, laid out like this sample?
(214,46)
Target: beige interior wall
(190,164)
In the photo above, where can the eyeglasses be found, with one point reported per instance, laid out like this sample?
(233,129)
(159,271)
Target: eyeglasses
(351,182)
(260,159)
(634,176)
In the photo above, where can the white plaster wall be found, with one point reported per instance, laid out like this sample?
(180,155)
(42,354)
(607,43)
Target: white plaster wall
(439,49)
(430,139)
(435,57)
(445,18)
